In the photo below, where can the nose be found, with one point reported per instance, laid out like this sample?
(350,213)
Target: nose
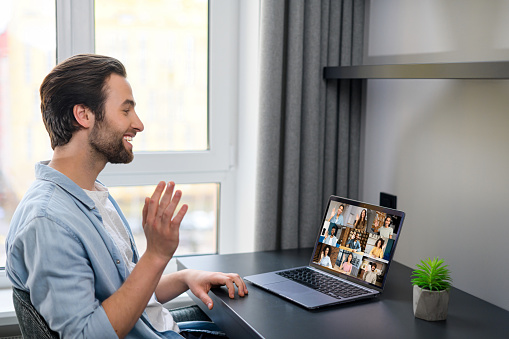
(137,124)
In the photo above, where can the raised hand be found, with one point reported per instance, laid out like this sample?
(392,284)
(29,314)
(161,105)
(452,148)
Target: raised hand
(160,223)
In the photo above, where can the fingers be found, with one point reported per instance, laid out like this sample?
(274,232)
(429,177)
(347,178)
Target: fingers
(167,207)
(233,278)
(166,200)
(200,283)
(154,202)
(144,212)
(180,215)
(231,288)
(204,297)
(162,205)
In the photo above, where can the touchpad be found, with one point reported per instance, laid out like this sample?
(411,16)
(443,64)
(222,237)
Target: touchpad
(288,288)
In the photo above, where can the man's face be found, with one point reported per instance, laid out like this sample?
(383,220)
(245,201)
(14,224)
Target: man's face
(373,268)
(111,137)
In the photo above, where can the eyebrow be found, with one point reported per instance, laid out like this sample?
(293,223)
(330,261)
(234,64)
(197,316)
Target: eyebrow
(129,102)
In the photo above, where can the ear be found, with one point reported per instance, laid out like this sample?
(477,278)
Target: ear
(83,116)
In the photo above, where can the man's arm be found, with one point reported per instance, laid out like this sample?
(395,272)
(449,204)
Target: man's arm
(200,283)
(161,228)
(55,268)
(125,306)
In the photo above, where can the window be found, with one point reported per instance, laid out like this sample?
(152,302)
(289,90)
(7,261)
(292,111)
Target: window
(27,54)
(29,48)
(198,231)
(164,46)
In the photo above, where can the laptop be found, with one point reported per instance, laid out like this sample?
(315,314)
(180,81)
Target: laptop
(353,251)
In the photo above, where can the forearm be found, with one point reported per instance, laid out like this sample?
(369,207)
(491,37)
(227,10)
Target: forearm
(199,283)
(126,305)
(171,286)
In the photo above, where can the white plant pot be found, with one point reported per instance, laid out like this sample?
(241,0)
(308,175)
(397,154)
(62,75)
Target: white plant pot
(430,305)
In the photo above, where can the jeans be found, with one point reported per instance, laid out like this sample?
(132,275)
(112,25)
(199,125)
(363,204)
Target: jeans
(200,330)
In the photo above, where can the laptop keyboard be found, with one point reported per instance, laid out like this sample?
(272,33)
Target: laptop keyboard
(323,283)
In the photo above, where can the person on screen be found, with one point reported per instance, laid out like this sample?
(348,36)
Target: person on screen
(331,239)
(370,276)
(361,221)
(377,251)
(386,231)
(346,266)
(338,218)
(69,244)
(325,258)
(351,240)
(355,244)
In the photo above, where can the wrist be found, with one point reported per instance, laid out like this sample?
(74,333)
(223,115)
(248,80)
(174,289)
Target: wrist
(185,276)
(155,260)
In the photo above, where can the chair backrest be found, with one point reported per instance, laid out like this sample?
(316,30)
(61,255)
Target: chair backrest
(31,323)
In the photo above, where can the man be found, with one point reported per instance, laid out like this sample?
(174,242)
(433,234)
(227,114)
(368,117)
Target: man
(331,239)
(354,243)
(370,276)
(69,244)
(351,240)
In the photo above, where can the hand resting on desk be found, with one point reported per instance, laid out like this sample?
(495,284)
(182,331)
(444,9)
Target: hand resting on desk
(200,283)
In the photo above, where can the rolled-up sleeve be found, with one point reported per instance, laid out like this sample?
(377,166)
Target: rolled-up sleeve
(49,260)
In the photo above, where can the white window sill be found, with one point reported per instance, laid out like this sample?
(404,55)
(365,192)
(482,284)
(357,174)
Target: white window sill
(7,314)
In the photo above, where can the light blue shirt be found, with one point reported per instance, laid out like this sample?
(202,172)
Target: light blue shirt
(59,251)
(337,220)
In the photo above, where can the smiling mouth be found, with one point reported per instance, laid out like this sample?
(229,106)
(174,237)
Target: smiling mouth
(128,138)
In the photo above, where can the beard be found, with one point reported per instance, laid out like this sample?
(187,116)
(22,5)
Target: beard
(109,144)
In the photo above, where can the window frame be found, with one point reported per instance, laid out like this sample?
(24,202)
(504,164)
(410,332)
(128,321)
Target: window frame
(76,34)
(215,164)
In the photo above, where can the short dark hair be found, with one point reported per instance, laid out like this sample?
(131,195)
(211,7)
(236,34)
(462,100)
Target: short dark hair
(77,80)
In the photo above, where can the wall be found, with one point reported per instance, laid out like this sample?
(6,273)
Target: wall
(441,145)
(247,127)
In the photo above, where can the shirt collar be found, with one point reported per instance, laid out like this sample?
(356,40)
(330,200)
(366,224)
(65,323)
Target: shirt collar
(44,172)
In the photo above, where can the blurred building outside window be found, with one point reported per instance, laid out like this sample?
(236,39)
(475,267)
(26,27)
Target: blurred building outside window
(164,46)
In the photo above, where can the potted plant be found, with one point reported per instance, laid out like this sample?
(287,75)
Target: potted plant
(432,283)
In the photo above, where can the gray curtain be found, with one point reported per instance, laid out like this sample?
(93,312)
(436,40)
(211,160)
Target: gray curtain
(309,139)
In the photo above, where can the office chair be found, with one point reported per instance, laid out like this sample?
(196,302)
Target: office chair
(31,323)
(188,313)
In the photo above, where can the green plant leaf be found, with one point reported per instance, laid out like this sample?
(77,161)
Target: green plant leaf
(432,275)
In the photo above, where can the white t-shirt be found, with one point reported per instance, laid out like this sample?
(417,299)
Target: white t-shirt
(331,240)
(158,316)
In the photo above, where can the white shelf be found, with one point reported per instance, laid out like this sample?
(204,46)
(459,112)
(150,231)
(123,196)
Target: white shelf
(461,70)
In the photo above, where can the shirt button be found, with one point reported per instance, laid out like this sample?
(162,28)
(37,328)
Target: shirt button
(117,261)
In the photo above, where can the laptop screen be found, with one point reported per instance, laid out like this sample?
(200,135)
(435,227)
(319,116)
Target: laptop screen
(357,240)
